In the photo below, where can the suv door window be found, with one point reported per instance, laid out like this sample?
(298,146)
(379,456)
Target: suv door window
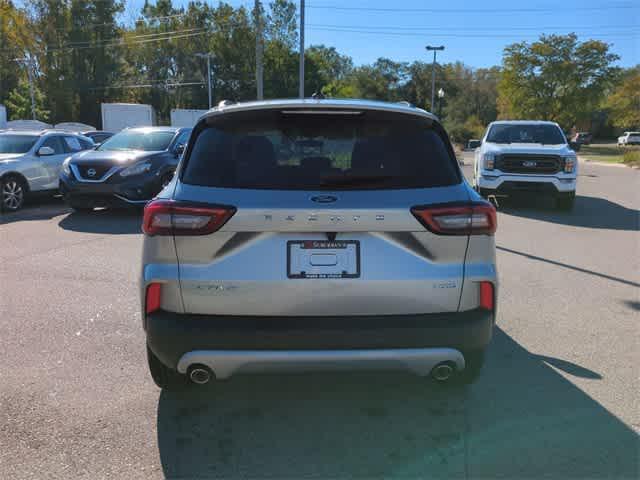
(72,145)
(54,143)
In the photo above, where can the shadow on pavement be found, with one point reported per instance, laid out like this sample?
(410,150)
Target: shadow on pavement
(520,420)
(115,222)
(39,208)
(588,212)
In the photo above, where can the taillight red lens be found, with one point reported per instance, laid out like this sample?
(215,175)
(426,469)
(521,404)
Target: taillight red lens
(487,296)
(166,217)
(153,297)
(472,219)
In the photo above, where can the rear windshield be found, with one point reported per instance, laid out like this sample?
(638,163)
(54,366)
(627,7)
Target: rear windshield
(314,151)
(147,140)
(526,133)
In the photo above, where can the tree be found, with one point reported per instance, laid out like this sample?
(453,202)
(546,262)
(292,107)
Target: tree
(16,39)
(555,78)
(624,103)
(325,65)
(19,103)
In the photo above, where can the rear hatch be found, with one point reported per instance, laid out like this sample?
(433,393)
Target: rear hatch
(314,214)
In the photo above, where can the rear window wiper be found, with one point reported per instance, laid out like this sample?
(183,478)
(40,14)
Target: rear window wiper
(355,179)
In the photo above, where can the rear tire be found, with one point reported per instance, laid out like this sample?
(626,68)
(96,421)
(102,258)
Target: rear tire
(163,376)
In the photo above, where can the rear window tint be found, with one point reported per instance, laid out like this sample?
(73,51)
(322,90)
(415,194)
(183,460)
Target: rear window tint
(311,151)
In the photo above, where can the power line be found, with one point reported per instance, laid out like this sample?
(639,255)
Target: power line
(451,35)
(480,29)
(466,10)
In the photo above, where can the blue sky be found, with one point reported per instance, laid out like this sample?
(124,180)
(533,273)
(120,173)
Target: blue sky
(472,32)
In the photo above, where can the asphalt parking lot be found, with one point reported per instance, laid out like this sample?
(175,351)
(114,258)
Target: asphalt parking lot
(559,396)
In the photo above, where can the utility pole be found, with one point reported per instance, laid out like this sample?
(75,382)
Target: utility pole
(30,64)
(301,74)
(208,57)
(433,74)
(259,50)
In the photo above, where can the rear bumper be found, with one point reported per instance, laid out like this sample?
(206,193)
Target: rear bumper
(172,336)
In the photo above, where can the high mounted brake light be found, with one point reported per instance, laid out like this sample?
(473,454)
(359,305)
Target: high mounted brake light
(166,217)
(471,219)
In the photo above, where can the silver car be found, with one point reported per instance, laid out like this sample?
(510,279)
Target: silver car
(317,234)
(30,162)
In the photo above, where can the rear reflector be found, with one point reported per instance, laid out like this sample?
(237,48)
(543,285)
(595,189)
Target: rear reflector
(486,296)
(166,217)
(471,219)
(152,299)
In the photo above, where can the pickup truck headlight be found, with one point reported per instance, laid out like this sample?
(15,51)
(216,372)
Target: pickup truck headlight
(136,169)
(569,164)
(489,160)
(65,166)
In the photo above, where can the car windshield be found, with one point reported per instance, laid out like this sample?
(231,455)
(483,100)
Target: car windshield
(16,143)
(147,140)
(307,150)
(525,133)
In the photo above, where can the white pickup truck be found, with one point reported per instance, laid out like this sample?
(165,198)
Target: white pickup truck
(526,157)
(629,138)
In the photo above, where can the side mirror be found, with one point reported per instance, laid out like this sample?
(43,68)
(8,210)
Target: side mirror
(45,151)
(179,149)
(575,146)
(473,144)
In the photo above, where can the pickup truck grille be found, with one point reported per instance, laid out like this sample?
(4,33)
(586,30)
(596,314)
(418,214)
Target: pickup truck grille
(516,163)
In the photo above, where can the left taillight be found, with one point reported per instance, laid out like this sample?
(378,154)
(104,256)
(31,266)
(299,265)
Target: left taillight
(167,217)
(471,219)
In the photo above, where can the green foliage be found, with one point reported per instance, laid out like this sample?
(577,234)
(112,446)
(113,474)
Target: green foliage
(555,78)
(624,103)
(632,157)
(19,103)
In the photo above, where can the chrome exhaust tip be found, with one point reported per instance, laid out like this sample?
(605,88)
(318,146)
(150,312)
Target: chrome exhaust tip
(200,374)
(442,372)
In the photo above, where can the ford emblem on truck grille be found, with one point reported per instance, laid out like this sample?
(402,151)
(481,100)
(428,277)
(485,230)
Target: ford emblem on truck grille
(529,163)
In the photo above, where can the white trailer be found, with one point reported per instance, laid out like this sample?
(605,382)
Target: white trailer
(181,117)
(117,116)
(3,117)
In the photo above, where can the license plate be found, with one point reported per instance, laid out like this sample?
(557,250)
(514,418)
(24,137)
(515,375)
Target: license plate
(323,259)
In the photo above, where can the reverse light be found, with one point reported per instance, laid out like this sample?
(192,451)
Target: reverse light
(569,164)
(167,217)
(471,219)
(487,296)
(489,161)
(136,169)
(153,297)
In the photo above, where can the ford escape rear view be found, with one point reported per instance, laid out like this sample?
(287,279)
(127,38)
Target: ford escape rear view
(317,234)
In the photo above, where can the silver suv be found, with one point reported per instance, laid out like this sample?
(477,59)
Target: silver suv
(317,234)
(30,162)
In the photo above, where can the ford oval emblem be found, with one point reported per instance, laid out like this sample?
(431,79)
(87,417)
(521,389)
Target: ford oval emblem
(324,199)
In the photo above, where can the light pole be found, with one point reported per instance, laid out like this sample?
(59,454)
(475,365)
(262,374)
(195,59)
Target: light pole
(440,97)
(301,73)
(433,71)
(208,57)
(30,64)
(259,51)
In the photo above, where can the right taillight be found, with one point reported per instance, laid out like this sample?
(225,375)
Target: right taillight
(473,219)
(487,296)
(167,217)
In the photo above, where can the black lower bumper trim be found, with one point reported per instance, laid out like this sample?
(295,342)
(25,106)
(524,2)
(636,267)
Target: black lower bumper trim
(171,335)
